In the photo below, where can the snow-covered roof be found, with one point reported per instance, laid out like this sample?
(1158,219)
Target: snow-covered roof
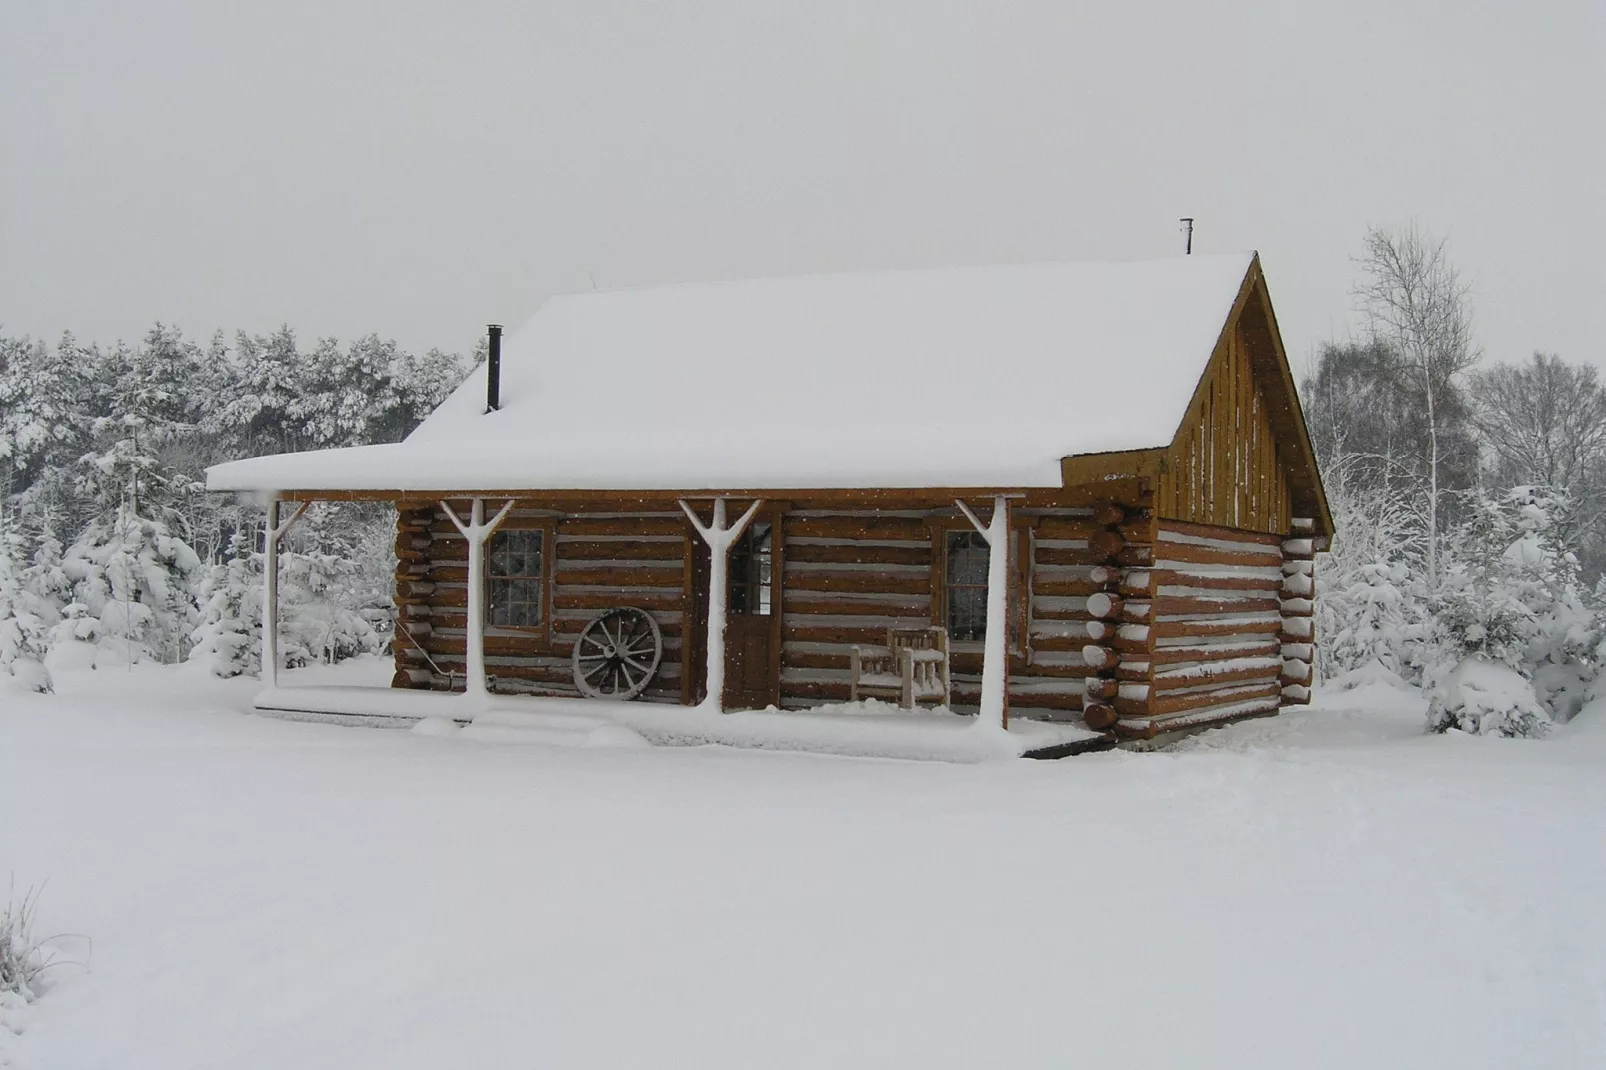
(975,377)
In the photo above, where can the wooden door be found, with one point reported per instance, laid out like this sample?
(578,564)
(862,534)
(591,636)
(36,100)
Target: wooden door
(750,661)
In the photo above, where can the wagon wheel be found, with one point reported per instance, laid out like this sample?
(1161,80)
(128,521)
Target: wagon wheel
(617,654)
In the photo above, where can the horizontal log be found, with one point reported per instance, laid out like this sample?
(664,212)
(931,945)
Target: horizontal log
(620,576)
(413,589)
(1184,655)
(1065,588)
(1069,556)
(1162,704)
(1106,513)
(1193,554)
(1166,577)
(1141,531)
(1100,657)
(1299,629)
(1210,531)
(1299,549)
(1298,607)
(1048,670)
(1296,695)
(832,633)
(1174,606)
(1104,606)
(1296,672)
(642,525)
(570,626)
(906,528)
(798,608)
(1135,556)
(1106,575)
(830,690)
(1176,629)
(616,599)
(1099,715)
(859,582)
(1299,651)
(1041,700)
(808,553)
(1067,527)
(1298,586)
(621,550)
(1099,688)
(410,678)
(1229,676)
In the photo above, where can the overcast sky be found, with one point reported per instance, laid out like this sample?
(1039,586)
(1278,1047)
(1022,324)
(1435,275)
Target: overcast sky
(419,169)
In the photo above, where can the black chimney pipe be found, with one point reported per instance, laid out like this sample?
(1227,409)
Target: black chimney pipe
(493,369)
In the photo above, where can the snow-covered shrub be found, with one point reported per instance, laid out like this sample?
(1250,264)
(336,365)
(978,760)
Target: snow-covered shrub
(320,614)
(1486,698)
(74,641)
(134,575)
(229,636)
(1510,596)
(21,958)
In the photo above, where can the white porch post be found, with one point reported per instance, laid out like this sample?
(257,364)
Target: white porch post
(270,596)
(272,532)
(719,536)
(995,645)
(476,531)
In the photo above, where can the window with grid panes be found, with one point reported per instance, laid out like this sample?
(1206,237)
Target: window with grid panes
(751,560)
(514,574)
(966,586)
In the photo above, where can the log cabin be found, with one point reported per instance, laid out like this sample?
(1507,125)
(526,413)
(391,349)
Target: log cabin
(1095,478)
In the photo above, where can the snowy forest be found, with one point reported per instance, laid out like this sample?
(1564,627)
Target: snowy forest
(1467,493)
(112,552)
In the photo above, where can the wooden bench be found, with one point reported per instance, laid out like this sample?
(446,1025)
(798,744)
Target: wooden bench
(912,668)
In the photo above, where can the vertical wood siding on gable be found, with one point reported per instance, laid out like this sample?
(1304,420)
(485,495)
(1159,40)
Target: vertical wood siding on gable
(1227,467)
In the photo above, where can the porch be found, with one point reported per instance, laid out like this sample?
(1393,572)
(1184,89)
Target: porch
(863,729)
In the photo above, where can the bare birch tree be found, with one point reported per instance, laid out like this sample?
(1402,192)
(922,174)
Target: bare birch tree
(1415,302)
(1544,422)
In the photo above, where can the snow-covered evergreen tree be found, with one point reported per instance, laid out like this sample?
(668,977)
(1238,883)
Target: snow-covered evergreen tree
(1511,598)
(228,639)
(132,576)
(24,621)
(1371,597)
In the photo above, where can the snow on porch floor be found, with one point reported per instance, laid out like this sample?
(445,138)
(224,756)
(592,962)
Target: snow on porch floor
(863,729)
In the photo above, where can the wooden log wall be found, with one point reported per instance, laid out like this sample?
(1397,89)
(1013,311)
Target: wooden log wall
(850,575)
(1070,583)
(1226,468)
(847,576)
(595,561)
(1115,643)
(1213,641)
(1298,610)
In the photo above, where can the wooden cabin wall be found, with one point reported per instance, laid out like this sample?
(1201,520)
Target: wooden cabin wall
(850,575)
(595,561)
(847,576)
(1226,468)
(1215,631)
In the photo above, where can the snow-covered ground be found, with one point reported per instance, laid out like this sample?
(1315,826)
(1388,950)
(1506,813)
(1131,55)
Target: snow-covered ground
(1330,888)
